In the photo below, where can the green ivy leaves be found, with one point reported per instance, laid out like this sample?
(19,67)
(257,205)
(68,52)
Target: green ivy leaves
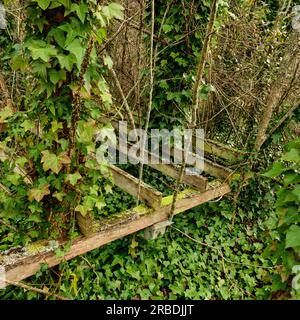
(50,60)
(42,50)
(292,156)
(113,10)
(66,61)
(293,237)
(57,76)
(81,10)
(277,169)
(77,49)
(5,113)
(44,4)
(53,162)
(89,203)
(109,12)
(287,174)
(38,194)
(73,178)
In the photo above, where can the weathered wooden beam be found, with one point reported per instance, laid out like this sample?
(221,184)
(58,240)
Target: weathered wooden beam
(142,217)
(225,152)
(214,169)
(129,184)
(170,170)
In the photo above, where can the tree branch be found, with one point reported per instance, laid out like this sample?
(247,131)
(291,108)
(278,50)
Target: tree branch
(200,72)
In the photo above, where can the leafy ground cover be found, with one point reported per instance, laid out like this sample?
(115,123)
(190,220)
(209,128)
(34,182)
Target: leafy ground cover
(202,256)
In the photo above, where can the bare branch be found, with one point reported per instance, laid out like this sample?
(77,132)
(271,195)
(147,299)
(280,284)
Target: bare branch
(200,72)
(30,288)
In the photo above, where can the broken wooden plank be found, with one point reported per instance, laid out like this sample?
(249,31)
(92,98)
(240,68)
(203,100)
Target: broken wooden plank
(129,184)
(27,266)
(170,170)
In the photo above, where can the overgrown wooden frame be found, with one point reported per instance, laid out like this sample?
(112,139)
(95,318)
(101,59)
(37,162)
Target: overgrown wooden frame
(156,209)
(105,231)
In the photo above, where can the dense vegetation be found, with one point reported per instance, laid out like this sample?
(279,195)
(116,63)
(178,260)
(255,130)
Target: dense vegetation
(59,62)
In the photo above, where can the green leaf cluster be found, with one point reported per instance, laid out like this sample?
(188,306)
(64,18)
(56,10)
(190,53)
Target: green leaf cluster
(285,247)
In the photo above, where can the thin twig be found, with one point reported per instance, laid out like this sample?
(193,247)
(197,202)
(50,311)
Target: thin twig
(114,36)
(9,225)
(30,288)
(203,58)
(196,99)
(3,88)
(155,37)
(152,66)
(125,102)
(138,79)
(283,119)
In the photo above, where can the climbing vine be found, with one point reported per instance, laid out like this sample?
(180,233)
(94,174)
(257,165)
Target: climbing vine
(48,173)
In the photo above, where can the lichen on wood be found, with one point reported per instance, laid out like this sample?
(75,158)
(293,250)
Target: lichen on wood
(13,255)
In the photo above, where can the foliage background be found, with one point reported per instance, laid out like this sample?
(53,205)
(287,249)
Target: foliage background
(220,250)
